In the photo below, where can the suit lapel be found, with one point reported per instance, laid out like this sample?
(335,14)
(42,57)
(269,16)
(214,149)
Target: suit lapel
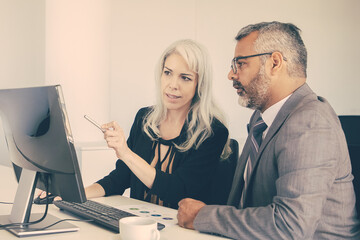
(288,107)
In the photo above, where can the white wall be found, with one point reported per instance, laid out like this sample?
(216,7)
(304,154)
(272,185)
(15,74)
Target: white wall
(77,57)
(104,52)
(22,43)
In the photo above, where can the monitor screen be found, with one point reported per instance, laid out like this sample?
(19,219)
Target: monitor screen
(40,146)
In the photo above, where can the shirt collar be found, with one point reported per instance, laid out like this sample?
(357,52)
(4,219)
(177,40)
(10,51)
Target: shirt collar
(269,114)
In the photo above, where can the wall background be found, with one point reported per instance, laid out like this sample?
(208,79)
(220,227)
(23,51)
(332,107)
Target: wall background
(103,52)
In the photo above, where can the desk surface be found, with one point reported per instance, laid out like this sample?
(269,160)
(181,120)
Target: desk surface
(87,231)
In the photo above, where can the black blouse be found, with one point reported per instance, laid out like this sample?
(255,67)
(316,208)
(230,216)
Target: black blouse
(191,170)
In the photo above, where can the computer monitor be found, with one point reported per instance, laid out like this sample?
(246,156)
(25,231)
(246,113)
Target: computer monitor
(41,147)
(4,153)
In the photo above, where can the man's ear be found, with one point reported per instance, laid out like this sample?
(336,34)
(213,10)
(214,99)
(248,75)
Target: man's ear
(277,62)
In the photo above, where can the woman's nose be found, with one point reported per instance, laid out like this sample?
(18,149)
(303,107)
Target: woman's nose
(174,84)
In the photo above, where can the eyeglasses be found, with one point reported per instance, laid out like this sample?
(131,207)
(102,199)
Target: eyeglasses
(235,59)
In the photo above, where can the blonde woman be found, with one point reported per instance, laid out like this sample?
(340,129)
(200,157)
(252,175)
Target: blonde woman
(174,146)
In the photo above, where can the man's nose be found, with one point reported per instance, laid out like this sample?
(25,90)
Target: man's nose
(231,75)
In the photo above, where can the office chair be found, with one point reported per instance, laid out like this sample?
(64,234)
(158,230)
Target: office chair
(351,127)
(223,177)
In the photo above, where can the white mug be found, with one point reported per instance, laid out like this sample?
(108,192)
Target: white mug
(138,228)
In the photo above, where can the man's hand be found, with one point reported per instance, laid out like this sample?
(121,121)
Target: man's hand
(188,209)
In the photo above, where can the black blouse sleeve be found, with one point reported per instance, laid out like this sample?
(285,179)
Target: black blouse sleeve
(192,177)
(119,179)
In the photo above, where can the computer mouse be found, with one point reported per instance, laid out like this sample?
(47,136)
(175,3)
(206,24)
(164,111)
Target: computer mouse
(42,200)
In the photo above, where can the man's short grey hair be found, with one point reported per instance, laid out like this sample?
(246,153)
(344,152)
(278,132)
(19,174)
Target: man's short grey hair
(279,37)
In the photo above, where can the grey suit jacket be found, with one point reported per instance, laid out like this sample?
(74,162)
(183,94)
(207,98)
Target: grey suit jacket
(301,186)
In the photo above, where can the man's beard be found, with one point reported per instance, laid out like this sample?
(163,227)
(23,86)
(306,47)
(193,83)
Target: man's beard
(256,94)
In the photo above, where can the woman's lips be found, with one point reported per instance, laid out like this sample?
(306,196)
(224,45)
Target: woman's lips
(171,96)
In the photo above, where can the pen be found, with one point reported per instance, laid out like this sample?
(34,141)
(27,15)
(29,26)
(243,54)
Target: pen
(93,122)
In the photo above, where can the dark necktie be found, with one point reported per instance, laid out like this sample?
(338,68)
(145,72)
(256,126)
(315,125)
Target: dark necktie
(256,139)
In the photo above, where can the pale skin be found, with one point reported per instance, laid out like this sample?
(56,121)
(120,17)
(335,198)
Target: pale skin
(178,86)
(281,86)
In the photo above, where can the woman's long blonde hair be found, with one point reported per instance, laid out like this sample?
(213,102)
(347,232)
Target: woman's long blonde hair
(203,108)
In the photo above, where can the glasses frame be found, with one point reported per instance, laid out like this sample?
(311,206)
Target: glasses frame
(235,59)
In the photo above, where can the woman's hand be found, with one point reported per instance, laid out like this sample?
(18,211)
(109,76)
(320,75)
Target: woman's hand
(115,138)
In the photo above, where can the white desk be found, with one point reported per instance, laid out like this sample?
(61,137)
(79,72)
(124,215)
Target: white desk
(88,231)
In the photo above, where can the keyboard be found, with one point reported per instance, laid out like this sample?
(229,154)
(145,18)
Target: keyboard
(101,214)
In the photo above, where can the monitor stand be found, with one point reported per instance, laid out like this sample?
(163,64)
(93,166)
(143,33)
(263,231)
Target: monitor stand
(21,211)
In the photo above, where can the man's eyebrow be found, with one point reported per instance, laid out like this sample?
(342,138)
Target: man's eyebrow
(240,57)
